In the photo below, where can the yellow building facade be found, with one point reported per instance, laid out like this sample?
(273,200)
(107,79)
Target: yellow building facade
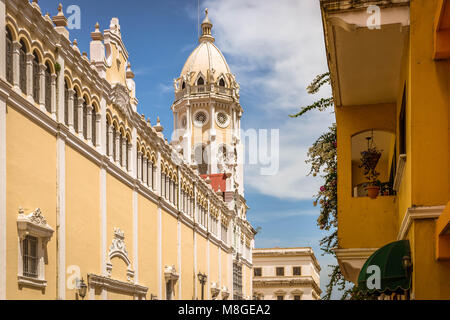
(91,190)
(390,74)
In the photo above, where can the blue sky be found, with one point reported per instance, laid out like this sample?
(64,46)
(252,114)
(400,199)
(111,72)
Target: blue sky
(275,48)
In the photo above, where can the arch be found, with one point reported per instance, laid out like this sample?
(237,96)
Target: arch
(86,97)
(200,81)
(76,85)
(68,80)
(95,106)
(26,39)
(183,85)
(13,27)
(50,65)
(38,54)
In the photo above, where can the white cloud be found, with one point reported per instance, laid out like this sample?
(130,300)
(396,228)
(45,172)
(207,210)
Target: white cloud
(276,48)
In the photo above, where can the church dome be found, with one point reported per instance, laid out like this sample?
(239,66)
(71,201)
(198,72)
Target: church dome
(206,60)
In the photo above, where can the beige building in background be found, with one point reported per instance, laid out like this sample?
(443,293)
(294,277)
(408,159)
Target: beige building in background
(286,274)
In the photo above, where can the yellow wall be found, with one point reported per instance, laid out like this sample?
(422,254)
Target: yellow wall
(187,263)
(148,240)
(30,184)
(362,219)
(169,247)
(83,216)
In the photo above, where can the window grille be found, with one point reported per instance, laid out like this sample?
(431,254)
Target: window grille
(30,259)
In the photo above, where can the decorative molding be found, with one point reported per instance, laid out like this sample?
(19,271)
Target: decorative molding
(170,273)
(31,282)
(34,224)
(118,249)
(418,213)
(136,290)
(352,260)
(215,290)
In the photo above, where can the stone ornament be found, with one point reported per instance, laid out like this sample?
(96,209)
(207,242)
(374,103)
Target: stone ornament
(118,249)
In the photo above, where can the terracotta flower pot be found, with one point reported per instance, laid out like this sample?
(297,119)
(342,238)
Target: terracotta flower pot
(373,191)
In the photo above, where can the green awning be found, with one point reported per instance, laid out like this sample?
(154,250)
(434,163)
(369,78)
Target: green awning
(393,276)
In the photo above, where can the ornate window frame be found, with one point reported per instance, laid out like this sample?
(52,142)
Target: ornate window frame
(226,123)
(199,124)
(171,276)
(35,225)
(118,249)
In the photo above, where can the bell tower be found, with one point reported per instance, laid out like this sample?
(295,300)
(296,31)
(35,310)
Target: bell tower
(207,116)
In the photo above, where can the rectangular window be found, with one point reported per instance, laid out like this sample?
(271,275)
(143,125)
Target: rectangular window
(297,271)
(258,272)
(280,271)
(297,298)
(30,260)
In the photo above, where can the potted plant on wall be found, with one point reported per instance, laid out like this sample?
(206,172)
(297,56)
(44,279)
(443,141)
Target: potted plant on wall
(369,161)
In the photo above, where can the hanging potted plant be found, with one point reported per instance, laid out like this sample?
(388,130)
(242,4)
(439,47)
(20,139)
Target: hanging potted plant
(369,161)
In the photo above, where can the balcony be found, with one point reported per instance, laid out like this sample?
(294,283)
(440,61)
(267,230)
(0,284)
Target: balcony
(203,89)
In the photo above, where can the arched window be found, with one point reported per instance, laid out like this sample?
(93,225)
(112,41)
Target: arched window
(85,118)
(66,103)
(94,126)
(48,88)
(9,56)
(201,157)
(127,160)
(222,82)
(183,86)
(23,67)
(75,110)
(36,78)
(200,81)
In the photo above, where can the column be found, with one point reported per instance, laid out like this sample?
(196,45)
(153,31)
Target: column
(79,110)
(124,151)
(29,68)
(89,123)
(98,126)
(53,96)
(130,156)
(60,87)
(139,165)
(145,170)
(110,140)
(42,69)
(16,63)
(71,107)
(117,142)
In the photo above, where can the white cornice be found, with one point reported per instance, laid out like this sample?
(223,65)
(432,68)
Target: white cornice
(417,213)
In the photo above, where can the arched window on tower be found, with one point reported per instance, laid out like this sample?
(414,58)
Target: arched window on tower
(183,86)
(36,78)
(9,56)
(48,88)
(221,82)
(23,67)
(200,81)
(66,103)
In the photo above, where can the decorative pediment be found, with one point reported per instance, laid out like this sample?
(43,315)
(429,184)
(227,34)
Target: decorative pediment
(118,249)
(225,293)
(121,99)
(34,224)
(170,273)
(215,290)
